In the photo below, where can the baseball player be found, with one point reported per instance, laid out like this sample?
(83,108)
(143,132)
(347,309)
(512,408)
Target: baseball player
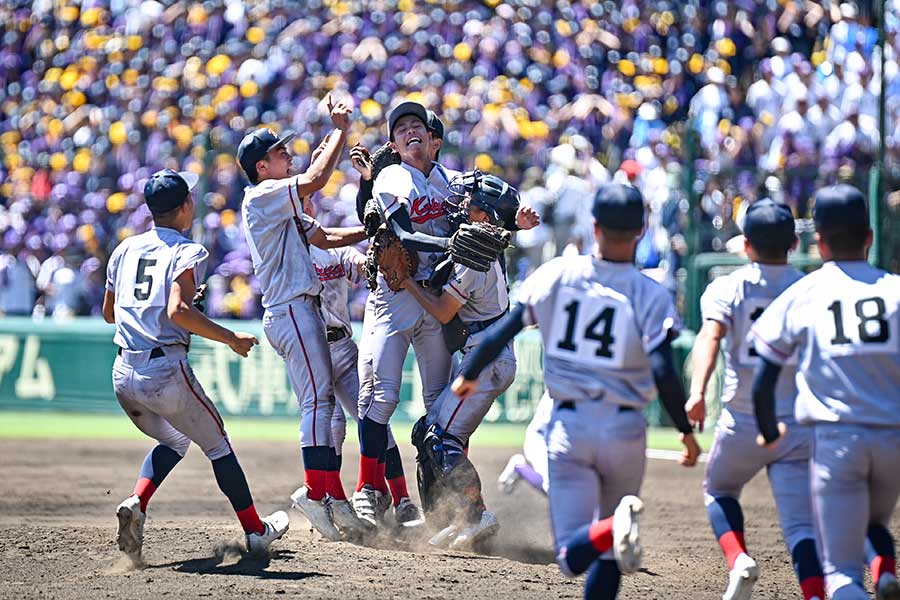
(410,196)
(150,287)
(729,305)
(479,299)
(607,332)
(279,234)
(844,320)
(531,464)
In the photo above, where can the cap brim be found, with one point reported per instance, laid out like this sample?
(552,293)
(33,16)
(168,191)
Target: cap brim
(282,141)
(190,178)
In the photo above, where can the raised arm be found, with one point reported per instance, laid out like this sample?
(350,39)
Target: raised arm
(319,172)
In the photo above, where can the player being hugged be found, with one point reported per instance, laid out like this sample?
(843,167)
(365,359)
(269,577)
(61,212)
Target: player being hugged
(844,321)
(607,331)
(150,288)
(279,234)
(467,302)
(729,305)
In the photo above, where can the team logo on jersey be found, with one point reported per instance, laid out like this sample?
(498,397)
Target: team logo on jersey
(330,272)
(424,209)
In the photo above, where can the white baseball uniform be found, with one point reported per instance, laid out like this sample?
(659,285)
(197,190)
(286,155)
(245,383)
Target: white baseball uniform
(844,320)
(152,378)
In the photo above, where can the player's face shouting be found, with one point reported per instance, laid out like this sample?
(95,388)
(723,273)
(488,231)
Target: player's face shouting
(412,139)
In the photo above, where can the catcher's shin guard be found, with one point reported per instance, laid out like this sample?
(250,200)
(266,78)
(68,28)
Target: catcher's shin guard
(456,481)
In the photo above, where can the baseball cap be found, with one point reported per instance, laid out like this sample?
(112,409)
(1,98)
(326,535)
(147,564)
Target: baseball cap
(769,223)
(619,207)
(167,189)
(435,125)
(407,108)
(840,206)
(256,145)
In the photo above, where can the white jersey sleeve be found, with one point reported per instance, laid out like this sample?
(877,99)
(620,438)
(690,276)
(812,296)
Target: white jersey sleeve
(656,314)
(717,301)
(112,266)
(353,262)
(392,187)
(190,256)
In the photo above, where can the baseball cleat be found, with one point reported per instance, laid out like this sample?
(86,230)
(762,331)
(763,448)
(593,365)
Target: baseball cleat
(345,517)
(626,534)
(365,503)
(468,537)
(130,534)
(443,538)
(276,525)
(508,479)
(384,504)
(888,588)
(316,512)
(407,514)
(741,579)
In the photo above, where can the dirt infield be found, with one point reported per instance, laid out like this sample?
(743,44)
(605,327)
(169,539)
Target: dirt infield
(57,535)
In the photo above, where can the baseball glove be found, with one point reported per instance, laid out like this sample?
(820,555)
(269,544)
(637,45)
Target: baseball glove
(389,256)
(478,245)
(371,218)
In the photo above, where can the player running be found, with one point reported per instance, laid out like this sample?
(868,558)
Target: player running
(729,305)
(844,321)
(607,332)
(467,304)
(150,286)
(279,234)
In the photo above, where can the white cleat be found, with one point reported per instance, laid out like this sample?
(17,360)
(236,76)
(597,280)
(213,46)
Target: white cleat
(626,534)
(508,479)
(345,517)
(888,588)
(316,512)
(443,538)
(741,579)
(469,536)
(407,514)
(276,525)
(365,503)
(130,534)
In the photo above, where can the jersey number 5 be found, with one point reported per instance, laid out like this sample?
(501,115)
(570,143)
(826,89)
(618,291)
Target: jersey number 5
(143,278)
(873,328)
(598,330)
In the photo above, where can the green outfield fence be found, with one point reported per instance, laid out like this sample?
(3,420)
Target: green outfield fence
(50,366)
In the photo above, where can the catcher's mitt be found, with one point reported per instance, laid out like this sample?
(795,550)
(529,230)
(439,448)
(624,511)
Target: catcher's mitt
(371,218)
(478,245)
(387,254)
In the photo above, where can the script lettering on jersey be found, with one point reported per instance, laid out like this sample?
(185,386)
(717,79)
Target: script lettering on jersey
(424,209)
(330,272)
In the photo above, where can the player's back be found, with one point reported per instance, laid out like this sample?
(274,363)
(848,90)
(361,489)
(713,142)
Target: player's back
(737,300)
(141,271)
(845,318)
(599,321)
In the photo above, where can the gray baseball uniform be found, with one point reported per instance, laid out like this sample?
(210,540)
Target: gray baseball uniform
(599,320)
(277,232)
(736,301)
(484,299)
(152,378)
(845,321)
(396,318)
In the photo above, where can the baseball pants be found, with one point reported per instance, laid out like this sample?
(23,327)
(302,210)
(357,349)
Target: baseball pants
(735,458)
(344,359)
(398,320)
(854,485)
(596,453)
(164,400)
(535,446)
(297,332)
(459,417)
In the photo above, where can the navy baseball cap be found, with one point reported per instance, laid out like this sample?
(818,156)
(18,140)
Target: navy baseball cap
(840,206)
(769,223)
(408,108)
(619,207)
(167,189)
(256,145)
(435,125)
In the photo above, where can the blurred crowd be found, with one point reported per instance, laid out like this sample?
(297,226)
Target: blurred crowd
(724,101)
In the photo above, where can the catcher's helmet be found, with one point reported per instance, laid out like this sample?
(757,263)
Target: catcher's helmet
(489,193)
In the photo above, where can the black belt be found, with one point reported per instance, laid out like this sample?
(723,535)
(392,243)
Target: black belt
(336,333)
(476,326)
(423,283)
(155,353)
(569,405)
